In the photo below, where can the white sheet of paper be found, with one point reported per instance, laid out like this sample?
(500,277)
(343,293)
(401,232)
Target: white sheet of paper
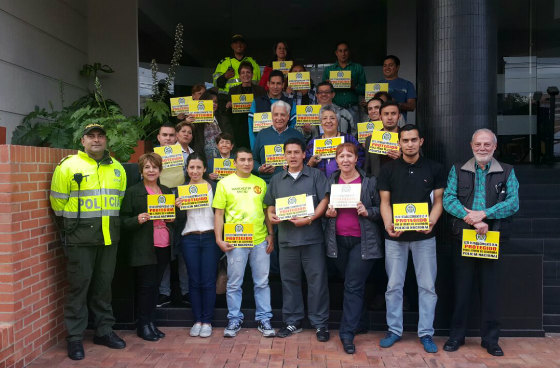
(310,207)
(345,195)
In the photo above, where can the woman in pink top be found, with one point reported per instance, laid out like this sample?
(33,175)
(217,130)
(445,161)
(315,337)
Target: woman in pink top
(354,239)
(149,251)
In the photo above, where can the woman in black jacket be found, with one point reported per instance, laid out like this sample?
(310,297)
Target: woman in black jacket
(150,242)
(354,239)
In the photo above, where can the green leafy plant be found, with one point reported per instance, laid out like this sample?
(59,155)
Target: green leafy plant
(91,70)
(123,133)
(45,128)
(63,129)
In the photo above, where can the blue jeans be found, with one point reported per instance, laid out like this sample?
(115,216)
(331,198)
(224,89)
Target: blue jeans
(165,285)
(349,262)
(425,267)
(201,257)
(259,261)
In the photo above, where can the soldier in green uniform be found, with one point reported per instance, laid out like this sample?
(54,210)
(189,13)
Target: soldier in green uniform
(86,194)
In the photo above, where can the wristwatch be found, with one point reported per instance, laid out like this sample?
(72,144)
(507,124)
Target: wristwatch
(310,220)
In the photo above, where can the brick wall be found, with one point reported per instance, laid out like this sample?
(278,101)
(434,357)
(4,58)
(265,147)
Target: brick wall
(31,260)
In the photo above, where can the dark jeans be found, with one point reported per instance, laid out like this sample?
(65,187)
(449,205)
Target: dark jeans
(148,278)
(485,272)
(201,254)
(355,270)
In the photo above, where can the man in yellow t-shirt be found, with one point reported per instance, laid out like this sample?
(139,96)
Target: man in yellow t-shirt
(240,198)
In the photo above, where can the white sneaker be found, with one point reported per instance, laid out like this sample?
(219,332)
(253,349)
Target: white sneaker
(206,330)
(232,328)
(266,329)
(195,329)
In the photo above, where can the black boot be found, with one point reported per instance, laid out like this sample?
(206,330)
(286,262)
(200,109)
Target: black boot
(157,331)
(76,350)
(145,332)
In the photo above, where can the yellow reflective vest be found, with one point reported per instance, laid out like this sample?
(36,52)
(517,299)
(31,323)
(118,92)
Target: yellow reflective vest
(224,65)
(99,196)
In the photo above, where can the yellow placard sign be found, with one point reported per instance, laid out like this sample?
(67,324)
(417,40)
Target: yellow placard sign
(193,196)
(180,105)
(274,154)
(381,142)
(241,103)
(171,156)
(326,148)
(239,235)
(411,216)
(283,66)
(341,78)
(373,88)
(224,167)
(261,120)
(202,111)
(307,114)
(161,206)
(365,129)
(299,81)
(481,246)
(290,207)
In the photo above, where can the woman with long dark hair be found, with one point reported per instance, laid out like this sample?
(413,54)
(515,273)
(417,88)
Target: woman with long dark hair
(199,250)
(280,52)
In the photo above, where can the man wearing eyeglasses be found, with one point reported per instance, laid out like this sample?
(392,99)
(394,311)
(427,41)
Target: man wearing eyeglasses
(325,94)
(412,180)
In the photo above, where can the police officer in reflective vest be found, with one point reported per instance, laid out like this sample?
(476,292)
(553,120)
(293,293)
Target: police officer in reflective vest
(226,76)
(86,194)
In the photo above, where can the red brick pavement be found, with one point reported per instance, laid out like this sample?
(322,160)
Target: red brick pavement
(249,349)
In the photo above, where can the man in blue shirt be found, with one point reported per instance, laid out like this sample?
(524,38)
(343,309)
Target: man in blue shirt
(400,89)
(276,134)
(264,103)
(481,194)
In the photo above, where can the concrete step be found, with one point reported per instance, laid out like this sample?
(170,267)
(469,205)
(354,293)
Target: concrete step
(535,226)
(539,191)
(541,208)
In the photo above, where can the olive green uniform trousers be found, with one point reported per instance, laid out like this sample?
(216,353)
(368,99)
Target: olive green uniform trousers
(90,272)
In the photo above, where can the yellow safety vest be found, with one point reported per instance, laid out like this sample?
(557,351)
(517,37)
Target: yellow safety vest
(99,196)
(224,65)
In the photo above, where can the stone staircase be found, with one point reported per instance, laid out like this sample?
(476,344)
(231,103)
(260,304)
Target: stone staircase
(536,230)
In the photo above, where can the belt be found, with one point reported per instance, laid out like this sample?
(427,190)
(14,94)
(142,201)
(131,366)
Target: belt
(199,232)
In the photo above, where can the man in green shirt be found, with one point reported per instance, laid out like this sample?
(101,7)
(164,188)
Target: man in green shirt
(240,198)
(348,98)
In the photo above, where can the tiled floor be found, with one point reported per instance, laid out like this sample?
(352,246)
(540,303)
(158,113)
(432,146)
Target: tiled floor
(249,349)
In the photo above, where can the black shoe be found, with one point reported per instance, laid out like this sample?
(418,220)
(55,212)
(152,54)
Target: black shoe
(145,332)
(348,346)
(111,341)
(289,330)
(453,345)
(323,334)
(492,348)
(186,300)
(163,300)
(156,331)
(76,350)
